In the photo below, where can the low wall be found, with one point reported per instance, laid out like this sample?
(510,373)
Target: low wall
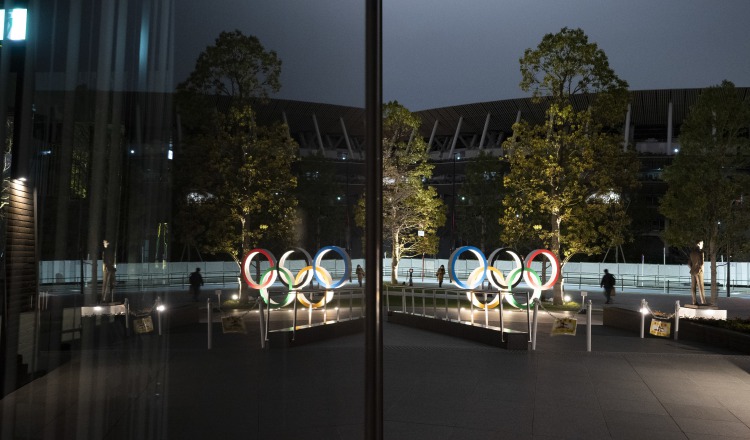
(510,339)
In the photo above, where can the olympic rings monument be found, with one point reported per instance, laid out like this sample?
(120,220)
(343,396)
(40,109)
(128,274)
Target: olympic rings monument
(289,285)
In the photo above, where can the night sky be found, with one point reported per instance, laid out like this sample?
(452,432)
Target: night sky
(441,53)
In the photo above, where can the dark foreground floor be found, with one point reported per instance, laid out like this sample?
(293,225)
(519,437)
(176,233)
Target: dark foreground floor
(436,387)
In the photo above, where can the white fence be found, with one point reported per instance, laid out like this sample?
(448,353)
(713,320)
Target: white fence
(574,274)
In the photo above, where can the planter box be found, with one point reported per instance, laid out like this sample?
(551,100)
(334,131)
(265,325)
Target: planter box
(630,320)
(510,339)
(305,334)
(715,336)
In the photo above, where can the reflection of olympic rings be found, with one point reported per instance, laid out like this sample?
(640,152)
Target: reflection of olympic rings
(285,273)
(311,270)
(303,298)
(476,281)
(496,279)
(495,301)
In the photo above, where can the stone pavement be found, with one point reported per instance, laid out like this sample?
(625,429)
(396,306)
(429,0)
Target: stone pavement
(436,387)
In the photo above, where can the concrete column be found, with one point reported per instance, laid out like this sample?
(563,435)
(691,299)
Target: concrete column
(432,136)
(346,137)
(484,132)
(627,130)
(317,133)
(455,136)
(669,130)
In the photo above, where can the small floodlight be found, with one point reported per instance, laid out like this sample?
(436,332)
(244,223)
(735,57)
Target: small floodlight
(161,307)
(566,298)
(644,310)
(235,297)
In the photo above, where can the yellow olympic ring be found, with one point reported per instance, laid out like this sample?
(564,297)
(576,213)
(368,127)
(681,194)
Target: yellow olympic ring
(473,297)
(325,275)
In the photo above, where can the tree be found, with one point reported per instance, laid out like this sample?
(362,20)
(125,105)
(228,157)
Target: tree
(233,175)
(708,179)
(409,206)
(482,193)
(569,177)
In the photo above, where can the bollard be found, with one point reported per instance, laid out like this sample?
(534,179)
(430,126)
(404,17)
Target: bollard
(588,326)
(643,316)
(209,320)
(445,291)
(218,296)
(294,319)
(676,319)
(528,320)
(502,321)
(471,307)
(486,312)
(533,332)
(127,316)
(159,310)
(261,322)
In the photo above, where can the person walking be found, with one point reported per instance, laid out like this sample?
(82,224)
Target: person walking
(608,283)
(196,281)
(440,274)
(360,274)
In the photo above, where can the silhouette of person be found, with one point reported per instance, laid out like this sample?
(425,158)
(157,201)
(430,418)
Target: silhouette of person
(360,274)
(608,283)
(196,281)
(440,274)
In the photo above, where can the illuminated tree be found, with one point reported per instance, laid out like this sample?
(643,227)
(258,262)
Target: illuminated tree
(234,176)
(708,180)
(408,204)
(569,177)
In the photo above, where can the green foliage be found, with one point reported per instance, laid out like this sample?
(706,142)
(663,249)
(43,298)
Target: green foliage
(708,180)
(736,324)
(569,178)
(481,199)
(235,178)
(408,204)
(236,66)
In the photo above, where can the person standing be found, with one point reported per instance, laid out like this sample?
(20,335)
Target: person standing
(360,274)
(108,272)
(608,283)
(196,281)
(440,274)
(695,262)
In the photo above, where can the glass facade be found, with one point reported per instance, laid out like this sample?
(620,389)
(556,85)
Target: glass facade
(182,244)
(105,340)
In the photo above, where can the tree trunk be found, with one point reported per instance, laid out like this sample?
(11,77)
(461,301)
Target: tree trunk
(395,258)
(245,290)
(712,251)
(557,291)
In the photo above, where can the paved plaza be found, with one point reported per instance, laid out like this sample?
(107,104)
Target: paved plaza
(436,386)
